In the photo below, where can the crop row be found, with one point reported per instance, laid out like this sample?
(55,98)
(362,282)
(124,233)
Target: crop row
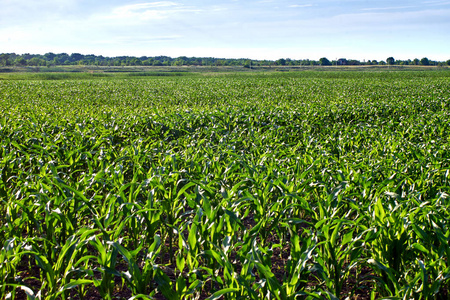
(240,187)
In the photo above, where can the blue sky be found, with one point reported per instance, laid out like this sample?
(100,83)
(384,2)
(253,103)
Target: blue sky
(262,29)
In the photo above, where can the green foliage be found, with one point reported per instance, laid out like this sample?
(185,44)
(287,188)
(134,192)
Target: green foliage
(74,59)
(304,185)
(425,61)
(324,61)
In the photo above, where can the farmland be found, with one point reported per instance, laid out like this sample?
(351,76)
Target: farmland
(293,185)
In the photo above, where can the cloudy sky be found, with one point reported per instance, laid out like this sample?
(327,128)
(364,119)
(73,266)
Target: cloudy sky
(261,29)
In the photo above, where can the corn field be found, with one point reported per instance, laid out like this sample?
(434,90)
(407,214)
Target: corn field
(313,185)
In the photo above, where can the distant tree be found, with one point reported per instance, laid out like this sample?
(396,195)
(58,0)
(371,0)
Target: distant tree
(324,61)
(27,56)
(4,59)
(390,60)
(147,62)
(36,62)
(20,61)
(49,56)
(89,59)
(184,60)
(135,62)
(353,62)
(424,61)
(198,62)
(342,61)
(177,63)
(63,57)
(247,64)
(76,57)
(281,62)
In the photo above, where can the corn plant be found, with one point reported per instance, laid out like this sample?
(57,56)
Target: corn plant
(283,185)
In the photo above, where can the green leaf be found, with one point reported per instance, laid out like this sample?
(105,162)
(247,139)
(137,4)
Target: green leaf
(222,292)
(347,238)
(164,285)
(275,288)
(420,248)
(141,296)
(181,262)
(379,211)
(74,284)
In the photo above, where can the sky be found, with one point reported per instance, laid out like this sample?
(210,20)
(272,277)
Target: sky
(261,29)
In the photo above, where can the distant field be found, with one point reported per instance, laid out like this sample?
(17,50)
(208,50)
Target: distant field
(280,185)
(90,72)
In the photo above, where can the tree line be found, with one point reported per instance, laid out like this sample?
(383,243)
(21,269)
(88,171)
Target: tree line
(52,59)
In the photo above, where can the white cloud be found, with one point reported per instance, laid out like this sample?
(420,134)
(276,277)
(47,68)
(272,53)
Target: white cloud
(28,11)
(137,39)
(421,6)
(390,8)
(141,7)
(300,5)
(436,2)
(149,11)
